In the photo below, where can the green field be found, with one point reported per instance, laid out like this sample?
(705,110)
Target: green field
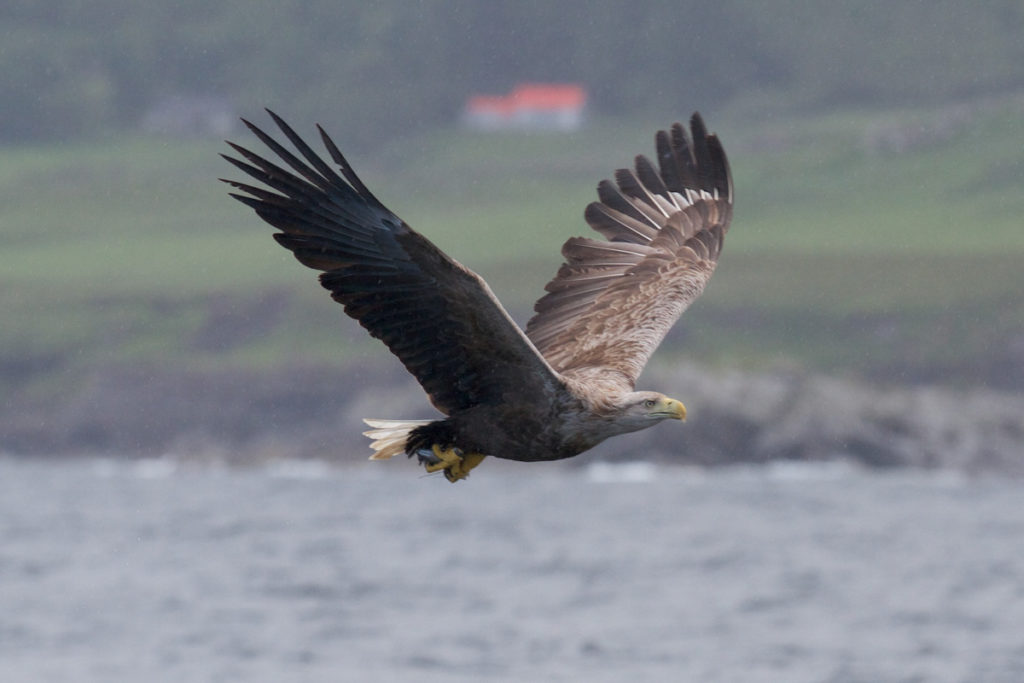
(843,256)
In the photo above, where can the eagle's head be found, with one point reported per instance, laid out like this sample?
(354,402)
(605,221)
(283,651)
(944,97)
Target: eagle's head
(641,409)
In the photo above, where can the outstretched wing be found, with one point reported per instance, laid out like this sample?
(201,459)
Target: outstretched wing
(438,317)
(612,302)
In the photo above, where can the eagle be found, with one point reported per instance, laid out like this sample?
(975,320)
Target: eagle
(565,383)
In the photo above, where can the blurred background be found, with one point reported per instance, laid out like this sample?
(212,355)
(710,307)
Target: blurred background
(878,154)
(858,357)
(877,147)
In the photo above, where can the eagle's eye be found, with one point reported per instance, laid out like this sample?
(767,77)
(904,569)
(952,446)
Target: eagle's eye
(649,403)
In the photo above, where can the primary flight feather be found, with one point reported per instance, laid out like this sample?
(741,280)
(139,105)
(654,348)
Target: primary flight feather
(566,383)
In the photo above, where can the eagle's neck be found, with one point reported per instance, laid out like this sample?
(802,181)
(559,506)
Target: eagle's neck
(599,396)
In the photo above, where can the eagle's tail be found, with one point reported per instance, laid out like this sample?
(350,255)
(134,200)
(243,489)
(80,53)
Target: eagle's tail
(389,436)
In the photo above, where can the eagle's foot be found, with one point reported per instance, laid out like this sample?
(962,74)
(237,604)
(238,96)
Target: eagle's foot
(452,461)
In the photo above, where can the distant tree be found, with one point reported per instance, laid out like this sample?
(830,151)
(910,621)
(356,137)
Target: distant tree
(70,68)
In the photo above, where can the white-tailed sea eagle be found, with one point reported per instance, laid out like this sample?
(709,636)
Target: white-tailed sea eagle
(564,384)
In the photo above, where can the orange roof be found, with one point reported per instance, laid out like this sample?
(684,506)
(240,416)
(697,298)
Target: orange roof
(530,96)
(549,95)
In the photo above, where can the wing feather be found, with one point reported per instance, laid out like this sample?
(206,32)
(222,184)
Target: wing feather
(612,303)
(438,317)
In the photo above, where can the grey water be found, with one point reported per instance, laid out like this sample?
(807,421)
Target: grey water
(152,571)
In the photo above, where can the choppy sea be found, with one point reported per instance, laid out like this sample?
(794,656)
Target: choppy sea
(118,570)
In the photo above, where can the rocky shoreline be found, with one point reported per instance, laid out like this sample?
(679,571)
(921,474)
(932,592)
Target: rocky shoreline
(800,416)
(310,411)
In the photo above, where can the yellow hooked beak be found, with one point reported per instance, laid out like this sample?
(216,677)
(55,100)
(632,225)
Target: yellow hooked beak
(672,408)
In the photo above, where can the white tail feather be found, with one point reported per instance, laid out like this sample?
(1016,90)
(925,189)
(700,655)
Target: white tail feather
(389,436)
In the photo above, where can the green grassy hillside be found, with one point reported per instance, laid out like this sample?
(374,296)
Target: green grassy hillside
(846,254)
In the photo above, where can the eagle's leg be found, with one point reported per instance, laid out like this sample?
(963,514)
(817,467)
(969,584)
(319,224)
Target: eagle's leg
(455,464)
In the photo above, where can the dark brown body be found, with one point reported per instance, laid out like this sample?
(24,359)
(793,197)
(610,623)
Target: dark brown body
(503,432)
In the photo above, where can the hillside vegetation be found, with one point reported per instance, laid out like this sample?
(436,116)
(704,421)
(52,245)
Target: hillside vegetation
(876,146)
(844,256)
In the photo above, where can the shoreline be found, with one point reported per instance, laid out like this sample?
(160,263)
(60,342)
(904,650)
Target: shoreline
(304,411)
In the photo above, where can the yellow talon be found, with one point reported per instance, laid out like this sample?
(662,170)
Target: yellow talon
(445,459)
(461,469)
(455,464)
